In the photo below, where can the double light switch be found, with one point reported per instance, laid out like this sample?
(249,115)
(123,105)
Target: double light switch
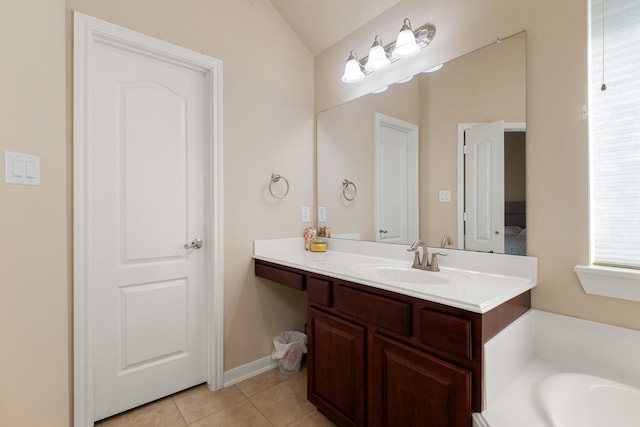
(20,168)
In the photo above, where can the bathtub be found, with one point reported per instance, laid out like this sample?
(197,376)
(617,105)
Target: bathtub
(572,399)
(548,370)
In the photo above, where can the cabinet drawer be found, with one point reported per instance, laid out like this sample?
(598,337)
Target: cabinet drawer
(279,275)
(375,309)
(319,291)
(446,332)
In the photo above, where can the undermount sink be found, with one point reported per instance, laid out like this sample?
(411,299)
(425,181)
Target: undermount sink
(571,399)
(408,275)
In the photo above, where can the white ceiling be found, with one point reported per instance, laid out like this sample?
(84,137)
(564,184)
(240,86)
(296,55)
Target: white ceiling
(321,23)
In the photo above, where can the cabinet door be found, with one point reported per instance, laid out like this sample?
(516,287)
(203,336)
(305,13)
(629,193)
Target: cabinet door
(336,368)
(412,388)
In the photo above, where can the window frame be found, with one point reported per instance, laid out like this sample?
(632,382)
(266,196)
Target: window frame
(596,279)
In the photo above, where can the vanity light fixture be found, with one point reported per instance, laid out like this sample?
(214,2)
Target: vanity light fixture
(407,44)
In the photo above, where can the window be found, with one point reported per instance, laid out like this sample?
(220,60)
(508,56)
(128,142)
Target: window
(614,141)
(615,132)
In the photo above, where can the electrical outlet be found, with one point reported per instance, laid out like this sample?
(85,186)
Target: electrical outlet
(444,196)
(305,214)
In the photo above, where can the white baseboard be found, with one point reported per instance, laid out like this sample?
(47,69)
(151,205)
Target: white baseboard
(251,369)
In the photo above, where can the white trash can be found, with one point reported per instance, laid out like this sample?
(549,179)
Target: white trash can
(289,346)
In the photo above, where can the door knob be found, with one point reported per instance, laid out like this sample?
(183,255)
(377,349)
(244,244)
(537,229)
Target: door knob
(195,244)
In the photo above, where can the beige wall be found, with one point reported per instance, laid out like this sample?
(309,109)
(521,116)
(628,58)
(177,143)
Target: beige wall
(557,137)
(34,306)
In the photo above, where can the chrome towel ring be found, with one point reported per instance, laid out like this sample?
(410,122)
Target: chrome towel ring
(348,194)
(275,178)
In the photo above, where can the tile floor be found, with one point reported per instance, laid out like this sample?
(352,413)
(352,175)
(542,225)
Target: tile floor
(270,399)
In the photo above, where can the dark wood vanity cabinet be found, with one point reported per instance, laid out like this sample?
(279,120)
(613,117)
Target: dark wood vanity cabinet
(378,358)
(336,367)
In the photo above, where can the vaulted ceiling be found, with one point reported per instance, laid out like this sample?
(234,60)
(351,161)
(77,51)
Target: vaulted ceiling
(321,23)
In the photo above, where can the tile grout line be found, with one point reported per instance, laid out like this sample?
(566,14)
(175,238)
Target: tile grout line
(260,412)
(289,378)
(212,413)
(179,411)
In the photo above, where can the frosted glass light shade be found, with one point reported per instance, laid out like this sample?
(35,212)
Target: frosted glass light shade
(406,45)
(352,70)
(377,57)
(433,69)
(380,90)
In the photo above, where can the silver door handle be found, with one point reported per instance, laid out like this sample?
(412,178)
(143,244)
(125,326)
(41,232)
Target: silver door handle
(383,231)
(195,244)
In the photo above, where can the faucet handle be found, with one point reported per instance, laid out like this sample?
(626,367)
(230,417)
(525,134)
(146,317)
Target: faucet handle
(415,245)
(434,261)
(446,240)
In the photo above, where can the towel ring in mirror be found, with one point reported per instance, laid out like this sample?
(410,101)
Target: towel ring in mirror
(348,194)
(275,178)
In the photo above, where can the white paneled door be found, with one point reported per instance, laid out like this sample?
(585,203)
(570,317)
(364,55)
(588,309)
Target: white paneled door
(484,188)
(396,200)
(146,257)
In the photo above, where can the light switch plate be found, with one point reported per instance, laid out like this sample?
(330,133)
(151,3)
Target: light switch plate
(444,196)
(22,169)
(322,214)
(305,214)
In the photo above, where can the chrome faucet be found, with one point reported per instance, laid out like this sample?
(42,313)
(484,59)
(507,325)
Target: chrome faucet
(424,263)
(446,240)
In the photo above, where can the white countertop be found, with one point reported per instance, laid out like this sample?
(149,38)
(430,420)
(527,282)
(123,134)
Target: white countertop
(479,291)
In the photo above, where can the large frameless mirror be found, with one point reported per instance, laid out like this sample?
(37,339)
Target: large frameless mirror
(441,155)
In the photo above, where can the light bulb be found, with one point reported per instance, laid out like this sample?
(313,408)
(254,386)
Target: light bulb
(406,45)
(352,70)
